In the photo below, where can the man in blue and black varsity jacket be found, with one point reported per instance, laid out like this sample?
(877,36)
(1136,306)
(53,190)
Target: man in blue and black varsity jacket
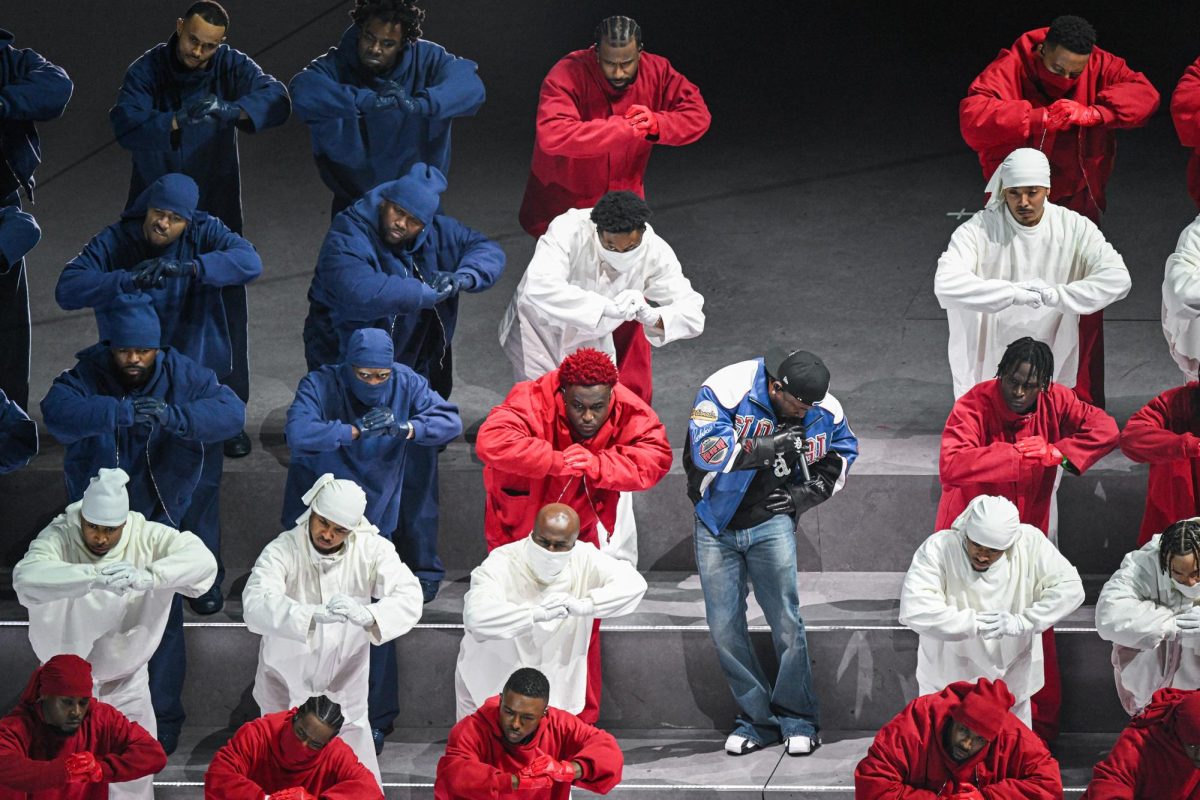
(766,442)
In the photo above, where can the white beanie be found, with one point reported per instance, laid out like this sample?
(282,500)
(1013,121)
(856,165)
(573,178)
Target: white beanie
(105,501)
(990,521)
(1023,167)
(340,501)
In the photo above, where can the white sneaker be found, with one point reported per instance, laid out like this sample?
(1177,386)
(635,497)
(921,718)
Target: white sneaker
(737,745)
(800,745)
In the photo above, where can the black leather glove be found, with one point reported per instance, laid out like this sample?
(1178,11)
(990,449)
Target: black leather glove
(779,451)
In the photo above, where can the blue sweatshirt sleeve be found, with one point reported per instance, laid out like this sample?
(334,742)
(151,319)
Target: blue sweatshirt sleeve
(481,258)
(435,420)
(264,98)
(212,412)
(226,258)
(357,289)
(39,91)
(309,431)
(72,411)
(18,436)
(318,95)
(712,437)
(136,123)
(453,88)
(92,278)
(19,233)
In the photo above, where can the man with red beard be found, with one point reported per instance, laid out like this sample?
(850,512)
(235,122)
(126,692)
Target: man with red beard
(956,743)
(60,744)
(290,755)
(517,744)
(1055,91)
(1158,754)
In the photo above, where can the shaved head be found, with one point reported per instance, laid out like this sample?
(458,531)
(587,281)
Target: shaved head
(556,527)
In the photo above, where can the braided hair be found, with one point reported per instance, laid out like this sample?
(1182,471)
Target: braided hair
(618,31)
(405,13)
(1181,538)
(324,710)
(1028,350)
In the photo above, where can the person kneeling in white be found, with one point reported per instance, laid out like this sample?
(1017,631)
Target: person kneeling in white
(98,582)
(1148,610)
(309,596)
(531,604)
(980,595)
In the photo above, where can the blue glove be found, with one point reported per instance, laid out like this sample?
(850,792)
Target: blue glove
(152,410)
(212,106)
(375,422)
(392,89)
(145,275)
(453,282)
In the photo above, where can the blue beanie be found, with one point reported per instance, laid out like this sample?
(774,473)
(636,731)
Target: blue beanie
(418,192)
(172,192)
(371,348)
(129,321)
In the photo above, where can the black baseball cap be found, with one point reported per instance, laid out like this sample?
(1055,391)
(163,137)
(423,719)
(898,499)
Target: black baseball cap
(803,375)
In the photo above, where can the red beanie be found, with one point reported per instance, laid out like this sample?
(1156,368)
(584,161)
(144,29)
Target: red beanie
(63,675)
(1187,718)
(984,708)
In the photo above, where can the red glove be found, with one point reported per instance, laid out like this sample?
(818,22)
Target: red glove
(581,461)
(962,791)
(83,768)
(1086,116)
(1057,116)
(527,783)
(544,765)
(1031,447)
(643,120)
(294,793)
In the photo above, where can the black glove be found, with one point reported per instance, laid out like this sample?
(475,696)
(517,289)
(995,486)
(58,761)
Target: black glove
(454,282)
(375,422)
(146,277)
(153,411)
(779,451)
(780,501)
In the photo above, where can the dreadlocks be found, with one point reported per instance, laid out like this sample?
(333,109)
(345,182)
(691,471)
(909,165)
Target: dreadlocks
(1028,350)
(405,13)
(1181,538)
(325,710)
(618,31)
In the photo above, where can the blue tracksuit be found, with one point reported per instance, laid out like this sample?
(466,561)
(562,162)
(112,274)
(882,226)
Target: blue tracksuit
(18,436)
(733,405)
(357,151)
(192,311)
(32,90)
(19,232)
(174,476)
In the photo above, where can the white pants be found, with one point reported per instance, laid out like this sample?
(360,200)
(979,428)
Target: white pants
(131,696)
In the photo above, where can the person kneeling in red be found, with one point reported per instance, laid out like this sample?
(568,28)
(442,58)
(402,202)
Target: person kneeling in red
(517,744)
(957,743)
(1157,755)
(290,755)
(60,744)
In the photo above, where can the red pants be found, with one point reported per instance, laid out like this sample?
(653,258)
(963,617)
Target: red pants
(591,696)
(633,361)
(1045,705)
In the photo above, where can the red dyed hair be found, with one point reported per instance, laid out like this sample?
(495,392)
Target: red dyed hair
(587,367)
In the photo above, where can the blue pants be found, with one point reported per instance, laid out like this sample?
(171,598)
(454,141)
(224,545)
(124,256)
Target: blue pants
(168,665)
(766,554)
(417,527)
(237,318)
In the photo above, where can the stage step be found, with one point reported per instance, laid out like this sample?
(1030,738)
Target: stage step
(677,764)
(875,524)
(660,667)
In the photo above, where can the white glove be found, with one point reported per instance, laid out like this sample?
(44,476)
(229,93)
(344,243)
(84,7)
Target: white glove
(121,577)
(351,609)
(553,606)
(1026,297)
(1050,297)
(580,607)
(998,624)
(323,616)
(1189,622)
(647,314)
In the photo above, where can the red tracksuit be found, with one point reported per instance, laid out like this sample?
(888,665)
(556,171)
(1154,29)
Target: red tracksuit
(1165,433)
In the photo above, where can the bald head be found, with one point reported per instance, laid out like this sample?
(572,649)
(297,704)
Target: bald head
(556,527)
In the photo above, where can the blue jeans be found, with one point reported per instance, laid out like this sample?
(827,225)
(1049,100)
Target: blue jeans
(766,554)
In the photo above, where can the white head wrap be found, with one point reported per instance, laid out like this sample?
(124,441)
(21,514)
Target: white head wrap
(338,500)
(105,501)
(1023,167)
(990,521)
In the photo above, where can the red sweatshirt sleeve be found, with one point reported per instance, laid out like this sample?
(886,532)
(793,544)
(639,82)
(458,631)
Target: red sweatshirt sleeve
(966,457)
(596,751)
(1185,106)
(133,754)
(882,772)
(1116,777)
(353,780)
(642,456)
(508,441)
(226,776)
(1149,436)
(17,770)
(1035,773)
(1126,98)
(560,129)
(462,773)
(683,116)
(1094,434)
(994,114)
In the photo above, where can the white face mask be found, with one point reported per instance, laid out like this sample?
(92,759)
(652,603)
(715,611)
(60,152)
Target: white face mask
(545,565)
(1190,592)
(621,262)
